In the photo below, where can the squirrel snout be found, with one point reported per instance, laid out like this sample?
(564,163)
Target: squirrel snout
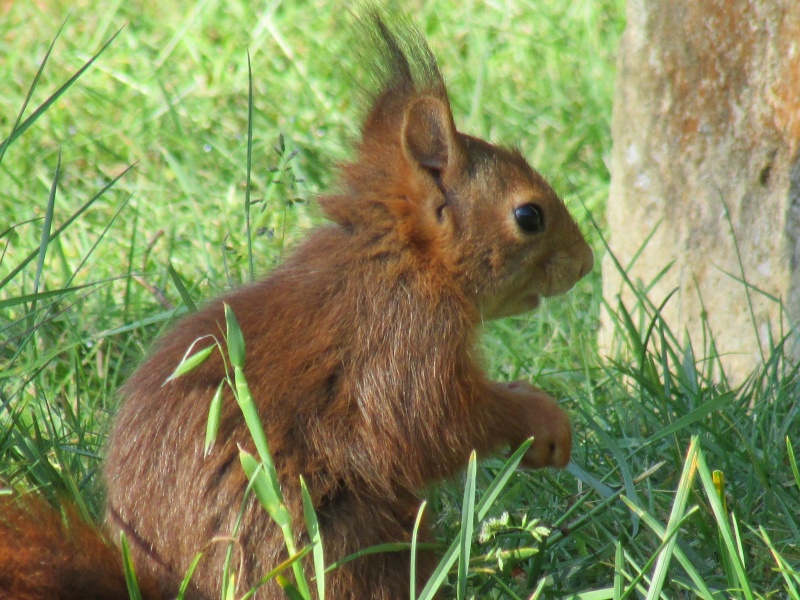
(565,269)
(587,262)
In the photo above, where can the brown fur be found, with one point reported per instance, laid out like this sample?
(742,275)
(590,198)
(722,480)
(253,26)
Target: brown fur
(360,354)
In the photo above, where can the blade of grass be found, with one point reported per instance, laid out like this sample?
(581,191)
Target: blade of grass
(693,416)
(315,538)
(130,574)
(793,462)
(191,361)
(14,301)
(676,516)
(19,130)
(790,575)
(414,540)
(234,340)
(718,477)
(11,136)
(268,492)
(60,229)
(249,165)
(214,417)
(377,549)
(721,518)
(187,579)
(100,238)
(753,321)
(467,527)
(274,573)
(46,228)
(701,589)
(184,293)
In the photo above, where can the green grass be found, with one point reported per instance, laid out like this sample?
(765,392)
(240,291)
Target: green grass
(635,516)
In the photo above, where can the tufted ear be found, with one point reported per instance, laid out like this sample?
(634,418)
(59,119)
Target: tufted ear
(429,135)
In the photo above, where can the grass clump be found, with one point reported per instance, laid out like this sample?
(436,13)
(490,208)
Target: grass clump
(123,203)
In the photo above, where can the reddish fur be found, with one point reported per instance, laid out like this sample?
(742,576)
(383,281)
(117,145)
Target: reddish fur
(360,356)
(45,555)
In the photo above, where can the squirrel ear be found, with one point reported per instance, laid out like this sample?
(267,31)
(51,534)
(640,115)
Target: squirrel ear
(429,134)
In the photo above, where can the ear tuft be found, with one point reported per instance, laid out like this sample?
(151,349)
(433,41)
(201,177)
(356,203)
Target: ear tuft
(429,133)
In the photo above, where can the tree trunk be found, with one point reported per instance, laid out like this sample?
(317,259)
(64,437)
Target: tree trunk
(705,172)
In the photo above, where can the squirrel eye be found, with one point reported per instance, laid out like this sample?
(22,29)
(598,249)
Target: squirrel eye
(530,218)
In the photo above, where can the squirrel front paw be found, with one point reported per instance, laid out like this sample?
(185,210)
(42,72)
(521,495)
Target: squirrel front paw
(543,420)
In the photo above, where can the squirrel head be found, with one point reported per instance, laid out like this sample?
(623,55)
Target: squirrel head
(475,212)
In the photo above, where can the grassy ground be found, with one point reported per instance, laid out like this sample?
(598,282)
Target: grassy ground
(81,299)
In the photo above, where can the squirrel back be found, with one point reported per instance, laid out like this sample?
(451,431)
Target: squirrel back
(361,354)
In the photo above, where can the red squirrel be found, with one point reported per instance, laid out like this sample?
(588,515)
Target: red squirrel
(361,355)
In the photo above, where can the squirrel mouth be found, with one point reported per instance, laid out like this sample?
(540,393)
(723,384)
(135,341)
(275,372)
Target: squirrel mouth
(514,304)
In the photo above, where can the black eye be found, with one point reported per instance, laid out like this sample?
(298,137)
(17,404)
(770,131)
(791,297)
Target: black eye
(530,218)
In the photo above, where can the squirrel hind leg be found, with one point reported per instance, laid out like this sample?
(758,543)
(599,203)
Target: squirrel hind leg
(379,576)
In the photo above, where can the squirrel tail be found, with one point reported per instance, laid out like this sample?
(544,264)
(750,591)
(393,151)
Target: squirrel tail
(45,554)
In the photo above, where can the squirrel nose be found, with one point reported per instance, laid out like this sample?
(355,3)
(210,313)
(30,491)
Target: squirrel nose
(587,262)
